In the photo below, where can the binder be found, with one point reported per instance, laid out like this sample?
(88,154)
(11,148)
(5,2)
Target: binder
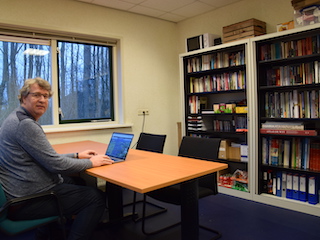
(274,186)
(302,188)
(279,184)
(295,187)
(265,182)
(270,183)
(313,190)
(284,185)
(289,186)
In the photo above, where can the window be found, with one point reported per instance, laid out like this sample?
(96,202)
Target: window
(85,82)
(83,86)
(21,59)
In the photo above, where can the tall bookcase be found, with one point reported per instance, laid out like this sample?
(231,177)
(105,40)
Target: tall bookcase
(215,104)
(282,90)
(288,96)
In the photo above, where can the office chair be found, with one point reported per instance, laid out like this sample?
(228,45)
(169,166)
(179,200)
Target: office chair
(152,143)
(13,227)
(193,147)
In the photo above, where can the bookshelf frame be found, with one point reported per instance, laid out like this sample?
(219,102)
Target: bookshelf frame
(221,95)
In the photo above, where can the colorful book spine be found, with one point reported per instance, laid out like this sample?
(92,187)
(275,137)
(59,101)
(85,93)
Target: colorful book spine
(289,132)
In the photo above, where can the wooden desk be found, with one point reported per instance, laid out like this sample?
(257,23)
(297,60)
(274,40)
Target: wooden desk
(147,171)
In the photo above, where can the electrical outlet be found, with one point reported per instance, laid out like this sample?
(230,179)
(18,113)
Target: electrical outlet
(142,112)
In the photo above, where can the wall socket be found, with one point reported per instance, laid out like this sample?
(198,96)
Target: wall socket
(142,112)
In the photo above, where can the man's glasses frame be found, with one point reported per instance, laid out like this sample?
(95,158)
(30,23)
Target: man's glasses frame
(38,95)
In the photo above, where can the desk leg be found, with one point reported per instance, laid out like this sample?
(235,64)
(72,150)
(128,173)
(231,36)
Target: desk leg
(189,210)
(115,202)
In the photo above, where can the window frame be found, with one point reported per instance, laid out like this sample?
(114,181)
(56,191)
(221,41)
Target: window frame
(61,121)
(53,37)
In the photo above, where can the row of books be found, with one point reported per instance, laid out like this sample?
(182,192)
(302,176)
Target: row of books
(223,126)
(241,124)
(292,104)
(215,60)
(218,82)
(304,73)
(291,185)
(298,152)
(283,125)
(197,103)
(197,123)
(294,48)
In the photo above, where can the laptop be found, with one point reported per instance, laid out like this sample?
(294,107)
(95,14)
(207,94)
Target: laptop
(119,145)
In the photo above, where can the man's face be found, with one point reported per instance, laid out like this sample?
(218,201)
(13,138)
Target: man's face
(36,102)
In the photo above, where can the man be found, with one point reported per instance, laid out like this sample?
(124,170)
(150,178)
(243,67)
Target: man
(29,164)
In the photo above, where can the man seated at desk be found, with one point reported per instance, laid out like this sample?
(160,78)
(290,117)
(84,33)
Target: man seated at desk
(29,164)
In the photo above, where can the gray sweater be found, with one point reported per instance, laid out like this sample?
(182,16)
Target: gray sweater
(28,163)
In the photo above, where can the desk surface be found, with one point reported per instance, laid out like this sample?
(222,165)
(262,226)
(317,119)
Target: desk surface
(144,171)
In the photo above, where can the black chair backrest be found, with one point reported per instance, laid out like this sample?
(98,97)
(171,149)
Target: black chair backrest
(151,142)
(205,149)
(200,148)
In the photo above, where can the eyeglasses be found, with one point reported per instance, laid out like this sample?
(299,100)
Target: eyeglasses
(38,95)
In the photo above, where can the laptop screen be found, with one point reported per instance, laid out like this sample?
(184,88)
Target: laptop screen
(119,145)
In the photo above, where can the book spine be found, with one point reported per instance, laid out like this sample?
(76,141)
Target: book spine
(289,132)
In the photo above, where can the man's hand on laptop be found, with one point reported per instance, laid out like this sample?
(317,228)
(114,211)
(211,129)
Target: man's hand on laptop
(87,154)
(100,160)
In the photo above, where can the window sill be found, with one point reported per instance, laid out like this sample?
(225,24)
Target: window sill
(84,127)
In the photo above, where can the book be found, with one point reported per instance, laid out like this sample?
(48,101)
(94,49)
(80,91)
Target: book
(283,125)
(265,150)
(274,151)
(289,132)
(286,153)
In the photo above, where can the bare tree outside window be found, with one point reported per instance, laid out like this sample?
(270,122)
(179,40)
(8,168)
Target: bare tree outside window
(85,82)
(84,88)
(20,61)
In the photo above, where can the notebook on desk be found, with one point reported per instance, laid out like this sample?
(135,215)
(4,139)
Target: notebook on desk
(119,145)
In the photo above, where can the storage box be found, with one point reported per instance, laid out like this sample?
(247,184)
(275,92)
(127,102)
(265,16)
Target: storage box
(242,30)
(299,4)
(230,108)
(242,109)
(234,154)
(307,16)
(285,26)
(224,149)
(244,152)
(216,108)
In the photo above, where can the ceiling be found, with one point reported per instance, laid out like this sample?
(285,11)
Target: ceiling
(170,10)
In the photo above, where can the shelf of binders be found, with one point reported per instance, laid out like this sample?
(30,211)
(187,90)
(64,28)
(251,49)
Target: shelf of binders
(289,110)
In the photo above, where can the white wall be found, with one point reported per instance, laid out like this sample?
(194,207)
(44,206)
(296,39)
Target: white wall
(272,12)
(150,49)
(150,60)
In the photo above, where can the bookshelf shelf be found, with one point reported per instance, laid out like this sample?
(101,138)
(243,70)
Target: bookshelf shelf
(288,169)
(292,60)
(216,92)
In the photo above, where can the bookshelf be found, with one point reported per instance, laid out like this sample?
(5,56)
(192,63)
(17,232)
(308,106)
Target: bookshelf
(282,87)
(214,89)
(288,127)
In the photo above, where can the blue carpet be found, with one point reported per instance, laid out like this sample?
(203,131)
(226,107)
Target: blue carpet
(235,218)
